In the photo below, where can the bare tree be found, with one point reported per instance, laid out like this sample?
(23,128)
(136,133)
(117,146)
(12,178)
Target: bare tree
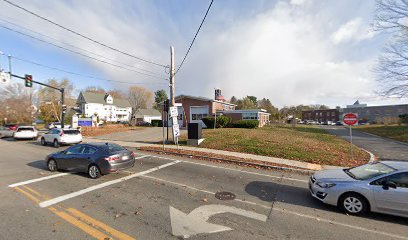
(16,103)
(139,98)
(392,69)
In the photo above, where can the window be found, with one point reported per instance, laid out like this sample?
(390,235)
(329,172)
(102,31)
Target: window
(400,179)
(193,116)
(197,116)
(369,170)
(74,150)
(333,114)
(180,117)
(88,150)
(249,116)
(112,147)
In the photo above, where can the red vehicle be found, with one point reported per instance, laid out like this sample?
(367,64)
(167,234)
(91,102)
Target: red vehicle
(12,127)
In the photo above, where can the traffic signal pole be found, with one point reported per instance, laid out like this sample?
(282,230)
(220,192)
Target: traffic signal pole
(62,90)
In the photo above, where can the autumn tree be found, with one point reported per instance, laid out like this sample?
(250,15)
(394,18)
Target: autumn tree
(50,100)
(140,98)
(16,103)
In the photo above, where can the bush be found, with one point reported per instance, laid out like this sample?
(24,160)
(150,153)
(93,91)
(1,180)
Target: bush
(222,121)
(245,124)
(404,118)
(157,123)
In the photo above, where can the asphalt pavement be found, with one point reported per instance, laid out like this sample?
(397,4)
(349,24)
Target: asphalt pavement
(167,197)
(383,148)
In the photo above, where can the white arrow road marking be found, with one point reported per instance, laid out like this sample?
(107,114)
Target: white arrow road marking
(187,225)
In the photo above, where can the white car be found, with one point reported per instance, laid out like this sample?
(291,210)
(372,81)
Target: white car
(26,132)
(57,137)
(57,125)
(6,132)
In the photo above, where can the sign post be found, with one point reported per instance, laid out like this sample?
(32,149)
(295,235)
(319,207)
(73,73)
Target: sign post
(350,119)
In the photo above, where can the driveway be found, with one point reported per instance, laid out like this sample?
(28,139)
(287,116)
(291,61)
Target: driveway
(384,149)
(142,135)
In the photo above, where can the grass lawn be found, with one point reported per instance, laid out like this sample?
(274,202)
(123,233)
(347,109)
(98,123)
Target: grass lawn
(396,132)
(107,129)
(305,143)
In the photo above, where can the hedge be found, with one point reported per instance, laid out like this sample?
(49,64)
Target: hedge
(222,121)
(245,124)
(404,118)
(157,123)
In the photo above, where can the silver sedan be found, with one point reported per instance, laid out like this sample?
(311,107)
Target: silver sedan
(377,187)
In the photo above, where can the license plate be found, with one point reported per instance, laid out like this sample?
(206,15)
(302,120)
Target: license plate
(125,157)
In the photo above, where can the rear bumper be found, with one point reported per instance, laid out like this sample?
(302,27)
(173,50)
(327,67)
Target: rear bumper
(114,167)
(25,136)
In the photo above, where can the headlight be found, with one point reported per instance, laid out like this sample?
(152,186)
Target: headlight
(325,185)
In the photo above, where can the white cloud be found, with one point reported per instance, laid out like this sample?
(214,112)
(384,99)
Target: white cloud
(354,30)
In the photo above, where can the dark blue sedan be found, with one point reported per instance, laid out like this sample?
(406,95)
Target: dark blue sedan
(96,159)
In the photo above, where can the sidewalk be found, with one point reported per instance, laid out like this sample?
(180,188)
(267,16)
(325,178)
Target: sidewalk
(272,160)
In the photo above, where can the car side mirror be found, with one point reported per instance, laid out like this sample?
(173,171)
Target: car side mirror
(389,184)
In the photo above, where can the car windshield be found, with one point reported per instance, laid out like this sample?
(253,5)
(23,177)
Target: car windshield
(369,171)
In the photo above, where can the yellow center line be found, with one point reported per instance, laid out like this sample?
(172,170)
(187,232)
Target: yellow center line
(99,224)
(76,218)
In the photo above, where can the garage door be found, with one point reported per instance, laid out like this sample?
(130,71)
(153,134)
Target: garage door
(197,113)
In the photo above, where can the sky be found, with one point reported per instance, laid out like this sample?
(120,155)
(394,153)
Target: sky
(290,51)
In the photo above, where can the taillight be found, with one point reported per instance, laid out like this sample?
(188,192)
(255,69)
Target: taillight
(112,158)
(62,133)
(132,154)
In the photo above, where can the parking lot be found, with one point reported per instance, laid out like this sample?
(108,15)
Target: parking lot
(168,197)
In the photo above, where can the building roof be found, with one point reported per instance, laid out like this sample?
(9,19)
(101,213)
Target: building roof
(247,111)
(91,97)
(148,112)
(203,99)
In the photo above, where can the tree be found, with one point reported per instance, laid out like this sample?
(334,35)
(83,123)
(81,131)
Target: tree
(392,69)
(115,93)
(245,103)
(16,103)
(140,98)
(159,97)
(253,99)
(50,99)
(267,105)
(95,89)
(233,100)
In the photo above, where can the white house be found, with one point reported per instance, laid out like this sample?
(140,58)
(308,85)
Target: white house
(104,106)
(147,115)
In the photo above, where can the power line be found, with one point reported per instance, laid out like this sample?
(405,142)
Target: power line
(192,42)
(79,53)
(82,35)
(77,74)
(82,49)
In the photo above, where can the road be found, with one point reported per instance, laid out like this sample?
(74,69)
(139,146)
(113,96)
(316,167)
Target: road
(384,149)
(167,197)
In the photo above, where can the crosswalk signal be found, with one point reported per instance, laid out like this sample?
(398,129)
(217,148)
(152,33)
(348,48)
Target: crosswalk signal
(64,108)
(28,80)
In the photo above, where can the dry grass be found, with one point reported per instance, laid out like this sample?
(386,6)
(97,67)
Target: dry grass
(107,129)
(396,132)
(304,143)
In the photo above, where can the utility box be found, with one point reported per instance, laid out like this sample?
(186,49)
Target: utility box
(194,134)
(194,131)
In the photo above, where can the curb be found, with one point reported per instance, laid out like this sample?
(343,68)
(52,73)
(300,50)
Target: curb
(239,162)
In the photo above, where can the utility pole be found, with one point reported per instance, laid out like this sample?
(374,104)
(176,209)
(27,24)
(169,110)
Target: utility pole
(63,108)
(172,76)
(9,62)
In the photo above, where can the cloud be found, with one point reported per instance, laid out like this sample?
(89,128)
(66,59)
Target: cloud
(354,30)
(281,51)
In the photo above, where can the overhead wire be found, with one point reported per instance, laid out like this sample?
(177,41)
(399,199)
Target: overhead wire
(82,49)
(79,74)
(195,36)
(82,35)
(79,53)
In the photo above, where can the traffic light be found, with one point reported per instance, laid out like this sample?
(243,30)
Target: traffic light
(166,105)
(28,80)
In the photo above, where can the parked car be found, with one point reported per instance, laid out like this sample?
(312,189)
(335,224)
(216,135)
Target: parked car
(338,123)
(377,187)
(11,126)
(25,132)
(58,136)
(96,159)
(5,132)
(57,125)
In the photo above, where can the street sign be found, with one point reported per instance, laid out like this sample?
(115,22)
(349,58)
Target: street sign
(4,77)
(173,112)
(176,129)
(350,119)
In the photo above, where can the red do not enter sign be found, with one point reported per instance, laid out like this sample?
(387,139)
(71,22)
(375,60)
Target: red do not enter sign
(350,119)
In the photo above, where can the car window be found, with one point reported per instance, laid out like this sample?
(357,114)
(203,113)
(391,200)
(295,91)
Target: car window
(74,150)
(400,179)
(25,129)
(112,147)
(71,132)
(55,131)
(88,150)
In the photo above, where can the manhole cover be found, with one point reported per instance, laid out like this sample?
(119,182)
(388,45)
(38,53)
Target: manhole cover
(225,196)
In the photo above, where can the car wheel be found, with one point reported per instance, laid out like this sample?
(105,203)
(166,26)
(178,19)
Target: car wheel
(353,204)
(55,143)
(43,142)
(52,165)
(94,172)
